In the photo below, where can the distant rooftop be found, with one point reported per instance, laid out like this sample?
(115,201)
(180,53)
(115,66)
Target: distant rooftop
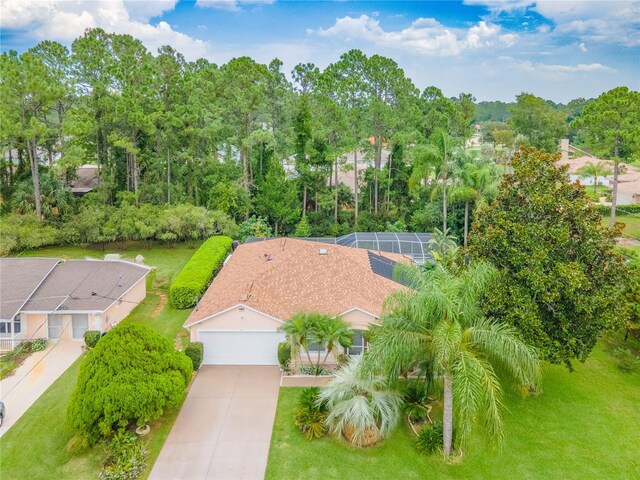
(415,245)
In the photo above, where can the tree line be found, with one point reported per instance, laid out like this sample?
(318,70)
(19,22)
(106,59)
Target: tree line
(244,140)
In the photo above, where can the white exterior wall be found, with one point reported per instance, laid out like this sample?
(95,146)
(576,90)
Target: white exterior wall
(236,319)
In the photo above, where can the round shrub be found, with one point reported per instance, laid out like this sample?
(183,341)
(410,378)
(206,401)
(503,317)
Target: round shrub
(284,355)
(38,344)
(429,439)
(129,378)
(195,351)
(91,338)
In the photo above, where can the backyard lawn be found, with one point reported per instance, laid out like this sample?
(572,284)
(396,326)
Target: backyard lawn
(632,224)
(583,426)
(43,427)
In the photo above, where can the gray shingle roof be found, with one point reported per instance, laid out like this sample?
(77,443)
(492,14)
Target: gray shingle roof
(19,278)
(85,285)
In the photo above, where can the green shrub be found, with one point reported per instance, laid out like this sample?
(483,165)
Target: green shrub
(129,378)
(6,367)
(196,275)
(195,351)
(316,370)
(39,344)
(311,413)
(415,401)
(429,439)
(125,458)
(627,361)
(284,355)
(620,209)
(91,338)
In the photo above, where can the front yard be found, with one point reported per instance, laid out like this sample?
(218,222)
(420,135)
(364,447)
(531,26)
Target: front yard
(36,446)
(584,425)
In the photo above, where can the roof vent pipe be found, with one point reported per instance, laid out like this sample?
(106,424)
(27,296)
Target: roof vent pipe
(323,251)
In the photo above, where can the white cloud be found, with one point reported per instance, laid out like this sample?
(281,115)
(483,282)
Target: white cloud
(63,21)
(616,22)
(145,10)
(543,68)
(582,47)
(425,35)
(231,5)
(498,6)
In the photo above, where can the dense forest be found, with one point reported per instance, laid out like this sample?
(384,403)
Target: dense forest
(187,149)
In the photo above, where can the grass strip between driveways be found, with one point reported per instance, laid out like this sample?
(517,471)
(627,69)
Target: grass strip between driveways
(584,425)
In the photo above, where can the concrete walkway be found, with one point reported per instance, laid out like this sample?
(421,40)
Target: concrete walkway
(33,377)
(223,431)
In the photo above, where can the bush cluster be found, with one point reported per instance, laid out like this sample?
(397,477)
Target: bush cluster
(125,458)
(429,439)
(620,210)
(195,351)
(284,355)
(129,378)
(311,414)
(104,224)
(91,337)
(196,275)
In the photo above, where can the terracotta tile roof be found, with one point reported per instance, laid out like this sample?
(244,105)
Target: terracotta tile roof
(282,277)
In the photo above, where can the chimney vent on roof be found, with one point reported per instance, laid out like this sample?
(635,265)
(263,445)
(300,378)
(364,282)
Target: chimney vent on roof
(323,251)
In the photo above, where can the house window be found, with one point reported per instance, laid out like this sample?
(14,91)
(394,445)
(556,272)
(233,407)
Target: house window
(359,346)
(5,327)
(17,324)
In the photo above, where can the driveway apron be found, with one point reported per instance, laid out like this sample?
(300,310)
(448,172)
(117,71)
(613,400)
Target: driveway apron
(223,430)
(33,377)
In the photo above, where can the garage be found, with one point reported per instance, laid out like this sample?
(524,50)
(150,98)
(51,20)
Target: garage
(240,347)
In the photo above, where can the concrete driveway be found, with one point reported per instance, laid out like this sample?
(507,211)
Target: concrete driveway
(33,377)
(223,431)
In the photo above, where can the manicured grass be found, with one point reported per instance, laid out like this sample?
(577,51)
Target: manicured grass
(167,258)
(584,425)
(632,224)
(602,191)
(34,448)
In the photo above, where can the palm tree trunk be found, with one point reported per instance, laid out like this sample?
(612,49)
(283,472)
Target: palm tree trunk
(444,207)
(614,192)
(466,222)
(355,184)
(335,186)
(304,201)
(35,176)
(595,185)
(447,416)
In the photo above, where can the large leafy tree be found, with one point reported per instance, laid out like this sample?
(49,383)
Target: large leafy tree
(439,321)
(560,273)
(130,377)
(534,118)
(277,198)
(612,127)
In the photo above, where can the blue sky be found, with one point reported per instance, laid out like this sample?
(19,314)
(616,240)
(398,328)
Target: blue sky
(494,49)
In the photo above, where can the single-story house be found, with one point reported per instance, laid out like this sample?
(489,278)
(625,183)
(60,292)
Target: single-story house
(54,299)
(263,284)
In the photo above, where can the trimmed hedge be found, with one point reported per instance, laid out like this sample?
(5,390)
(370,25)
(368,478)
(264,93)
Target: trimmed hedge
(195,351)
(284,355)
(620,209)
(196,275)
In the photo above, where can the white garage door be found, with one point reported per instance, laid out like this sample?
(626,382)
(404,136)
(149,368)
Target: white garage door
(240,347)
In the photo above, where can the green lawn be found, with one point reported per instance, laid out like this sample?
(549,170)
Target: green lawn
(583,426)
(34,448)
(602,191)
(632,224)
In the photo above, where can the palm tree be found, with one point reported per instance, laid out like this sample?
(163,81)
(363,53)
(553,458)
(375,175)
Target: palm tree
(435,160)
(329,332)
(595,170)
(361,406)
(300,328)
(440,321)
(477,183)
(332,332)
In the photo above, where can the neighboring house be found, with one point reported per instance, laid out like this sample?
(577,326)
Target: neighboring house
(49,298)
(263,284)
(86,180)
(628,177)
